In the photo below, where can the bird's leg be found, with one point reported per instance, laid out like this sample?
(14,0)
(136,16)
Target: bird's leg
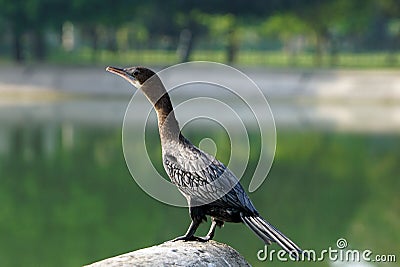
(211,232)
(197,215)
(189,236)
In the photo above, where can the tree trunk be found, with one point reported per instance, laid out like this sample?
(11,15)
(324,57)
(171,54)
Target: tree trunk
(318,50)
(94,41)
(39,45)
(233,45)
(17,46)
(391,59)
(334,53)
(185,45)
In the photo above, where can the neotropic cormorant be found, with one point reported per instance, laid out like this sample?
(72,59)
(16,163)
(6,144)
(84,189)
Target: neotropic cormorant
(209,187)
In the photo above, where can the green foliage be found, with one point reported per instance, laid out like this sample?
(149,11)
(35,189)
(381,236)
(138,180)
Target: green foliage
(217,24)
(284,26)
(123,25)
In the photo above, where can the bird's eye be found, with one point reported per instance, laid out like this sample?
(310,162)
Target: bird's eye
(135,73)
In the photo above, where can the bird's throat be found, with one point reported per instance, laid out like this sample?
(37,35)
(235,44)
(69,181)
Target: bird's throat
(167,124)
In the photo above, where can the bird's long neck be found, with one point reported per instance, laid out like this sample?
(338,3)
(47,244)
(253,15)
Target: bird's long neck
(167,124)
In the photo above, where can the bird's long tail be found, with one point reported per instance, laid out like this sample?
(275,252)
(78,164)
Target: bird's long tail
(269,234)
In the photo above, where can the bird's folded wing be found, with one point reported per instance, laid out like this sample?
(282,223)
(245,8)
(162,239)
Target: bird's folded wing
(207,180)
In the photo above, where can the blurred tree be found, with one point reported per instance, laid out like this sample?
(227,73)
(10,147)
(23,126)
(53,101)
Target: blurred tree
(351,25)
(289,29)
(222,19)
(96,18)
(44,14)
(318,15)
(14,14)
(328,18)
(222,27)
(124,24)
(391,10)
(32,17)
(191,27)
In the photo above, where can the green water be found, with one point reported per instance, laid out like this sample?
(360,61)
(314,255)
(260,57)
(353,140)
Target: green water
(67,198)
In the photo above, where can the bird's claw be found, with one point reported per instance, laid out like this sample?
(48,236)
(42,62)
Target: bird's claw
(192,238)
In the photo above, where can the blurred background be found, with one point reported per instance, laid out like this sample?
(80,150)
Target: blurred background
(330,70)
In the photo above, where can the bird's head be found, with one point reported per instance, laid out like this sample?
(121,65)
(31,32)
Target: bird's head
(137,76)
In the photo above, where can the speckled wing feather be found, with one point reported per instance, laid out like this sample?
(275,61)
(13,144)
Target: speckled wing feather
(203,179)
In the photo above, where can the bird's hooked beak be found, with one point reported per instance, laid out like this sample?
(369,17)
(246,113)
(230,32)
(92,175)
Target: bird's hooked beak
(124,74)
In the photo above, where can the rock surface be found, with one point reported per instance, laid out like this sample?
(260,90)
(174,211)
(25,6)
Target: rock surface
(178,253)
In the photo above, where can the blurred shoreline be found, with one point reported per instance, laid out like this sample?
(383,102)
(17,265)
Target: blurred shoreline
(275,83)
(344,100)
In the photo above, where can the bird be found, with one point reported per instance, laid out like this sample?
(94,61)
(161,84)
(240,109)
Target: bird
(210,188)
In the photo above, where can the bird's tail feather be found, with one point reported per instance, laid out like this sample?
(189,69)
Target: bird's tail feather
(269,234)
